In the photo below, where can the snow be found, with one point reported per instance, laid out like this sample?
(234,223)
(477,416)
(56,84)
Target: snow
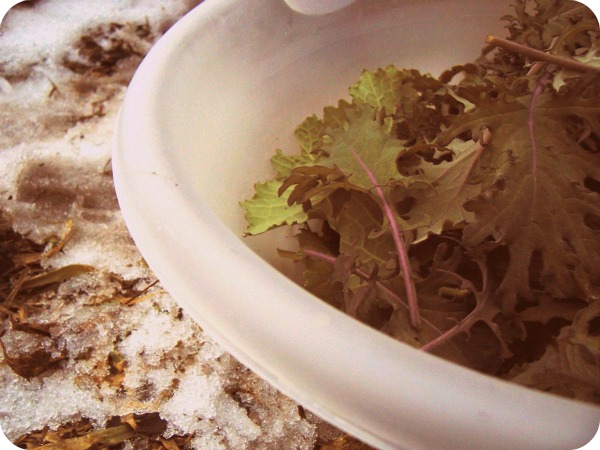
(59,98)
(41,32)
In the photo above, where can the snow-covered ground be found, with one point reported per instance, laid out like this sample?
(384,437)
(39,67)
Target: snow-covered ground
(64,67)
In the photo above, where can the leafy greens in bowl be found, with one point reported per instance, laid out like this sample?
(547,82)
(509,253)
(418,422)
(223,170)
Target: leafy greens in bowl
(463,216)
(221,89)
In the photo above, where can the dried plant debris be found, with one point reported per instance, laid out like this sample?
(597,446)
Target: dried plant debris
(141,430)
(22,283)
(31,364)
(343,443)
(461,215)
(152,359)
(116,363)
(110,338)
(62,198)
(100,51)
(87,62)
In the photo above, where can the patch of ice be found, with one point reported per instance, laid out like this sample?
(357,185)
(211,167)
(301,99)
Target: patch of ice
(209,403)
(155,333)
(23,408)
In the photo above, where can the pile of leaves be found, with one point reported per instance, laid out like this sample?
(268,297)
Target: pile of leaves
(461,214)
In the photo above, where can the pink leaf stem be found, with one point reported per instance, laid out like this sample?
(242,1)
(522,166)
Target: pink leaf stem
(538,55)
(456,329)
(361,273)
(321,256)
(530,125)
(476,315)
(411,293)
(364,275)
(464,324)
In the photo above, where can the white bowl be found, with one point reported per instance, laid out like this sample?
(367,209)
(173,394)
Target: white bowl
(202,116)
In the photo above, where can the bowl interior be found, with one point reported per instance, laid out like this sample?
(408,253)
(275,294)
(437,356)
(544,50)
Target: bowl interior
(202,117)
(240,90)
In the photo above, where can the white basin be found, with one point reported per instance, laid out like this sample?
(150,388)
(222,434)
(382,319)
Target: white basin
(201,118)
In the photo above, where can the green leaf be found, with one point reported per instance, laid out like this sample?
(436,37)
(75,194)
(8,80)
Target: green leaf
(438,192)
(309,135)
(591,57)
(309,181)
(551,212)
(358,219)
(266,209)
(284,164)
(340,169)
(313,132)
(384,88)
(337,117)
(369,139)
(318,274)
